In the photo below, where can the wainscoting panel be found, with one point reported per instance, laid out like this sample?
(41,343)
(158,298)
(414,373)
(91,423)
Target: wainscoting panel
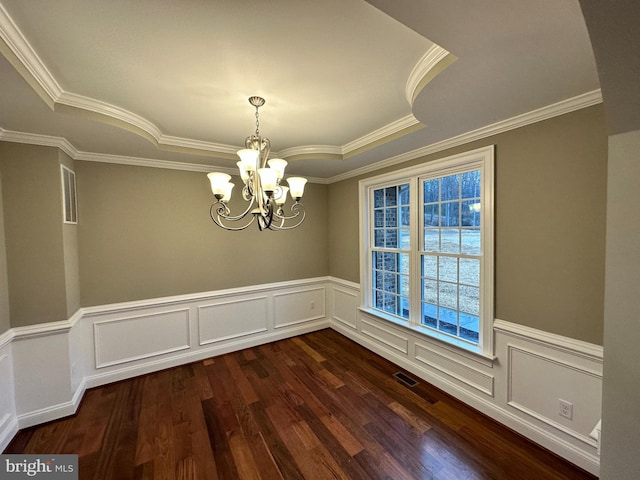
(231,319)
(126,339)
(54,363)
(298,306)
(519,387)
(537,384)
(344,303)
(8,416)
(440,361)
(385,335)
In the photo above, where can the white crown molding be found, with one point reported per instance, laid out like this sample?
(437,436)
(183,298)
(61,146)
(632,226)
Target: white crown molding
(309,150)
(150,162)
(381,133)
(21,48)
(422,68)
(37,139)
(560,108)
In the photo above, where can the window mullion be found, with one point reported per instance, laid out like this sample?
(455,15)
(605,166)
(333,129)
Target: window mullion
(416,247)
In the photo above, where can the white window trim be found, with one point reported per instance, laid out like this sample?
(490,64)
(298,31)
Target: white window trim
(482,159)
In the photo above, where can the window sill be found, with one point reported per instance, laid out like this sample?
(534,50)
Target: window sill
(443,340)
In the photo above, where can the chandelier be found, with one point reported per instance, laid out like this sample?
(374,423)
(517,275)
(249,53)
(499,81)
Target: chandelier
(261,177)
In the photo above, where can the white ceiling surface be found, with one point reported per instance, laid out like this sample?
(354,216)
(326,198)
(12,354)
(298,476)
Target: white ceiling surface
(333,74)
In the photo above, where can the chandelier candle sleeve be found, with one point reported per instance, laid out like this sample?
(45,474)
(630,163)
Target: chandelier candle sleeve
(261,188)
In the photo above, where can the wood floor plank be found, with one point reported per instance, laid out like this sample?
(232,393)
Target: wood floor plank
(312,407)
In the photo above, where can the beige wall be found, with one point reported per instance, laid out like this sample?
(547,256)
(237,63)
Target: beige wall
(146,233)
(550,223)
(5,319)
(32,201)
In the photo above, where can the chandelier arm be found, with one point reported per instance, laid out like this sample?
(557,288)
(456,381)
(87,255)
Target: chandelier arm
(224,212)
(299,213)
(266,216)
(217,219)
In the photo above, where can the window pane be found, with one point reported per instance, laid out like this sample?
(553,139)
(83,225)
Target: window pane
(404,285)
(390,282)
(390,261)
(448,269)
(405,238)
(470,213)
(432,240)
(389,303)
(378,218)
(378,238)
(378,198)
(430,266)
(404,194)
(430,315)
(470,271)
(377,260)
(471,184)
(404,263)
(391,217)
(450,240)
(450,214)
(378,280)
(430,291)
(391,239)
(404,307)
(448,295)
(471,241)
(470,300)
(405,216)
(431,191)
(450,187)
(390,197)
(469,327)
(448,320)
(432,215)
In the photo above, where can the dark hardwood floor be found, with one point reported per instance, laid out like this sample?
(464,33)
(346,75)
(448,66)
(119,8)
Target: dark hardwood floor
(317,406)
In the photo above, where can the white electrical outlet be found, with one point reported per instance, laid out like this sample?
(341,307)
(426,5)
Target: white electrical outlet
(565,409)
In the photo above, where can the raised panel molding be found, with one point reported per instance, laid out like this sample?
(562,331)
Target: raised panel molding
(535,383)
(460,371)
(127,339)
(232,319)
(299,306)
(344,307)
(385,336)
(8,416)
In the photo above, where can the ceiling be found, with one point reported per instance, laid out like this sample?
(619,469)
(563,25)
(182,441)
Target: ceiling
(348,84)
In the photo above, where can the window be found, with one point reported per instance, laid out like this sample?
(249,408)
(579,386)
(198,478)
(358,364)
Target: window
(427,248)
(69,195)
